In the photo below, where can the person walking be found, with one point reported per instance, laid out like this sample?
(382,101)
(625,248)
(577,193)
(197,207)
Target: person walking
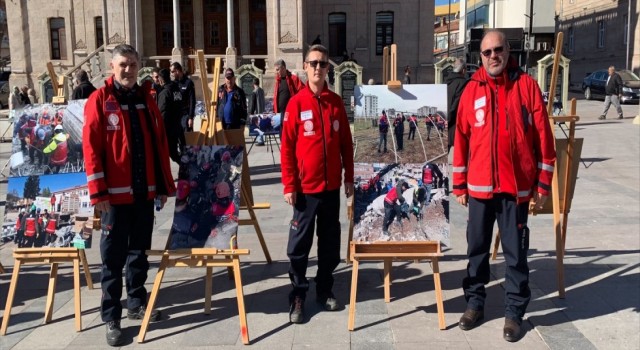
(413,124)
(503,123)
(316,148)
(613,90)
(127,165)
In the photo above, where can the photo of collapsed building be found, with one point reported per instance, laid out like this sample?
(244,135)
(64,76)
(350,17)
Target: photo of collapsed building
(401,202)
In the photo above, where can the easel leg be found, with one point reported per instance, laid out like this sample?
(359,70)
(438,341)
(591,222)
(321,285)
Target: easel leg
(208,286)
(244,330)
(436,281)
(387,280)
(77,297)
(51,292)
(559,255)
(152,298)
(10,295)
(352,299)
(254,219)
(496,246)
(85,266)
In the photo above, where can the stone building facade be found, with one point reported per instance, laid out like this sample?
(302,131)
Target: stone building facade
(598,34)
(71,34)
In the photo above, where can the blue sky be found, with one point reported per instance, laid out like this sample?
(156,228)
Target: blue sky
(54,182)
(445,2)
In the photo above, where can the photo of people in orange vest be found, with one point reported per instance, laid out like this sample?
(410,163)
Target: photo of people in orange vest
(47,139)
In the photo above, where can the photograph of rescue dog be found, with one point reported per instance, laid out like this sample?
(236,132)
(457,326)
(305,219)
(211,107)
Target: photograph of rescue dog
(401,202)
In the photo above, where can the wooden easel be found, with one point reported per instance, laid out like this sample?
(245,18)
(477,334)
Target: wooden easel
(206,257)
(388,252)
(211,132)
(389,67)
(58,85)
(565,172)
(53,256)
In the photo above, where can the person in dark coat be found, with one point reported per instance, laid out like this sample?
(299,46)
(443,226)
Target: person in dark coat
(256,103)
(84,88)
(170,104)
(456,81)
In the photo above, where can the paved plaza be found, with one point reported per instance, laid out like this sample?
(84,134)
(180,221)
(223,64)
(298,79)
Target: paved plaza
(602,273)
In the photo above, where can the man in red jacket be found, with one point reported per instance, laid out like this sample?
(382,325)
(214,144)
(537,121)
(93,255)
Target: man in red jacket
(127,163)
(503,122)
(316,147)
(287,85)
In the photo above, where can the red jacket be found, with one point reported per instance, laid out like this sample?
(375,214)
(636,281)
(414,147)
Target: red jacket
(294,84)
(105,143)
(316,143)
(480,167)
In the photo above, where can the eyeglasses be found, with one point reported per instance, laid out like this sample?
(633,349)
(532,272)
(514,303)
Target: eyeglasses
(314,64)
(487,53)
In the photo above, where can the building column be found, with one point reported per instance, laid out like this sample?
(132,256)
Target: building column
(176,53)
(231,50)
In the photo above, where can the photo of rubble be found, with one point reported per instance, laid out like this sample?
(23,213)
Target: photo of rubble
(48,211)
(401,202)
(47,139)
(406,125)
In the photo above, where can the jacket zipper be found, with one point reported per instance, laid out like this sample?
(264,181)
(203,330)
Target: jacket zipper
(494,159)
(324,144)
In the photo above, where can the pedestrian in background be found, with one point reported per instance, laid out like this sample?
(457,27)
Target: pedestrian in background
(613,90)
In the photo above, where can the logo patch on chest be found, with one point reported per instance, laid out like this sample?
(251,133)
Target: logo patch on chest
(113,120)
(479,118)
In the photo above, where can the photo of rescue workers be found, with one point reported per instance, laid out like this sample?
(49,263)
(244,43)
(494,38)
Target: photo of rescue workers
(48,211)
(47,139)
(207,197)
(401,202)
(406,125)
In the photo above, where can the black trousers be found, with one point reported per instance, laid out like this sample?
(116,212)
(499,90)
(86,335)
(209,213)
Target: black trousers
(390,212)
(400,141)
(514,236)
(125,246)
(325,208)
(412,134)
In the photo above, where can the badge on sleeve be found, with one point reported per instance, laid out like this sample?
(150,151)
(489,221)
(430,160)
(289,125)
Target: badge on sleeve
(336,125)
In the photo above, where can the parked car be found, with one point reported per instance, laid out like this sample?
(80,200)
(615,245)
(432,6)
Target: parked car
(4,94)
(593,85)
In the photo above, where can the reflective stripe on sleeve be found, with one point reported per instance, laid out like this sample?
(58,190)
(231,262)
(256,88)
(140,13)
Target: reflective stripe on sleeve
(459,169)
(95,176)
(480,188)
(120,190)
(545,167)
(523,193)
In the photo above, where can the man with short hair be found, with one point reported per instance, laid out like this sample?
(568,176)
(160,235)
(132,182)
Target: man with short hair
(613,90)
(84,88)
(316,148)
(188,95)
(503,123)
(286,86)
(156,87)
(232,103)
(127,165)
(256,104)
